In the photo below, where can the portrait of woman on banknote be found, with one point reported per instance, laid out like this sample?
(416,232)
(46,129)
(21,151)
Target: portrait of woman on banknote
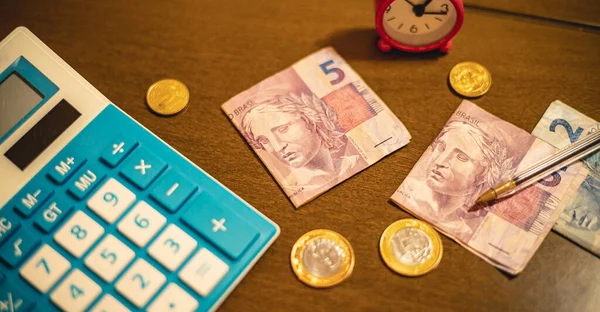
(463,162)
(301,132)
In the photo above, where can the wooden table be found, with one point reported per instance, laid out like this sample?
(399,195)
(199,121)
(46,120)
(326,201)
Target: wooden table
(219,48)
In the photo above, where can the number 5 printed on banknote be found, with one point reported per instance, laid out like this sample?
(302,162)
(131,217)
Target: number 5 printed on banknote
(474,151)
(315,124)
(560,126)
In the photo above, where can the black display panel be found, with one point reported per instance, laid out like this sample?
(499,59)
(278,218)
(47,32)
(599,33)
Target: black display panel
(40,136)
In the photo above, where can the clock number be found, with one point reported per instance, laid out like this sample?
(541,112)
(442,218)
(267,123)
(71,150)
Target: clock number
(444,8)
(333,70)
(413,29)
(388,9)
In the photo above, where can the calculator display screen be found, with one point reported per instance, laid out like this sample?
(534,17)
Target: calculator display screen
(17,98)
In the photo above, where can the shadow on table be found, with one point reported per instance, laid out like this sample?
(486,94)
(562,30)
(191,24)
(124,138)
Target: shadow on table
(361,44)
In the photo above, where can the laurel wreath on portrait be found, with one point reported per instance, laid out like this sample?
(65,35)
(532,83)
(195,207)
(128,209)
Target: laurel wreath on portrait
(502,166)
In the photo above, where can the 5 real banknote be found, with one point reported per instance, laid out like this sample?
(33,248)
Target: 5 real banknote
(475,151)
(560,126)
(315,124)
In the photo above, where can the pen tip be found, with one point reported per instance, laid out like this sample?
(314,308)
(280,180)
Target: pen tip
(486,197)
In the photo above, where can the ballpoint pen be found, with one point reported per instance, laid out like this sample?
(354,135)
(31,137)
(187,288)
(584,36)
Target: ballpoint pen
(541,169)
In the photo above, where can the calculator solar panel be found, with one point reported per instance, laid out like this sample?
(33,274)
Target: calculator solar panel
(115,220)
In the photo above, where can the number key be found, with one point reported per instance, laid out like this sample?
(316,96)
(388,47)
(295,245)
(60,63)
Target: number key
(109,258)
(172,247)
(79,234)
(45,268)
(108,303)
(111,200)
(140,283)
(76,292)
(141,223)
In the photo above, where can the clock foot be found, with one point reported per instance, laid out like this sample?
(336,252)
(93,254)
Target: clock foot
(446,47)
(384,47)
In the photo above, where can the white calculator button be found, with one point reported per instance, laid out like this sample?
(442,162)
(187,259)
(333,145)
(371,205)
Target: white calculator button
(141,223)
(78,234)
(109,258)
(172,247)
(203,272)
(108,303)
(140,283)
(76,292)
(111,200)
(172,299)
(45,268)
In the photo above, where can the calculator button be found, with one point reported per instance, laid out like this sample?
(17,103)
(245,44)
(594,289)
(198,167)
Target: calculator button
(78,234)
(108,303)
(222,227)
(142,168)
(171,190)
(109,258)
(12,300)
(76,292)
(111,200)
(18,247)
(173,298)
(172,247)
(64,166)
(203,272)
(45,268)
(8,225)
(54,212)
(86,180)
(141,223)
(140,283)
(28,202)
(118,149)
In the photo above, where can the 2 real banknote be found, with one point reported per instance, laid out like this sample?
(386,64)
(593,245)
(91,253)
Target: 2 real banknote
(474,151)
(560,126)
(315,124)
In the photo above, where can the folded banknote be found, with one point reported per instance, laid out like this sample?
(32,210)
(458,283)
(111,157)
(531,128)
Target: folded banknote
(474,151)
(315,124)
(560,126)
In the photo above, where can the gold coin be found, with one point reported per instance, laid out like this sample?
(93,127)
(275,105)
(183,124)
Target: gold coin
(322,258)
(167,97)
(470,79)
(411,247)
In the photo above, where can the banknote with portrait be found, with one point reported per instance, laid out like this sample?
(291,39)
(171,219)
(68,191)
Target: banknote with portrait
(474,151)
(315,124)
(560,126)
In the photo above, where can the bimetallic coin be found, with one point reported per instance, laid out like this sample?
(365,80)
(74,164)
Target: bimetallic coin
(470,79)
(322,258)
(410,247)
(167,97)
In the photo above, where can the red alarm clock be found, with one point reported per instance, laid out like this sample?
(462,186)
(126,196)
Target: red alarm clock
(418,25)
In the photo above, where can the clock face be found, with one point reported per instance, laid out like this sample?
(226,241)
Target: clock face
(419,22)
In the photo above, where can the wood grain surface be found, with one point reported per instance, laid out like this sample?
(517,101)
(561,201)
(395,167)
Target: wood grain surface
(219,48)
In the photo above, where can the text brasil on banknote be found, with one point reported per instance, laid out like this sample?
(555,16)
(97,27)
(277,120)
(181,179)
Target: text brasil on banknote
(315,124)
(474,151)
(560,126)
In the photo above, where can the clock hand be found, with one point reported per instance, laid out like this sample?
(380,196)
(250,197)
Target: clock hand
(436,13)
(410,3)
(426,4)
(419,9)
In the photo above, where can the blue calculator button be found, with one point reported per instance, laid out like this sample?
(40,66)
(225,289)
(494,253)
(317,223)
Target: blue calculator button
(118,149)
(142,168)
(63,166)
(85,180)
(171,190)
(1,277)
(12,300)
(53,213)
(18,247)
(8,225)
(222,227)
(33,196)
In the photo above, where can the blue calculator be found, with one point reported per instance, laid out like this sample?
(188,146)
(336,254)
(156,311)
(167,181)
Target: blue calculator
(96,212)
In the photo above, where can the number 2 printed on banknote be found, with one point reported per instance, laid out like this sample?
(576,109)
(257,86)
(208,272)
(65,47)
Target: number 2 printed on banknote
(315,124)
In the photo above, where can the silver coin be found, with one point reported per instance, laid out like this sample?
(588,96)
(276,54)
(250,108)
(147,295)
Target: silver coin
(411,246)
(322,257)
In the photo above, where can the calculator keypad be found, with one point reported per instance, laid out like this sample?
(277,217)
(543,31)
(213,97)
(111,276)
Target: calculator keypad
(125,225)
